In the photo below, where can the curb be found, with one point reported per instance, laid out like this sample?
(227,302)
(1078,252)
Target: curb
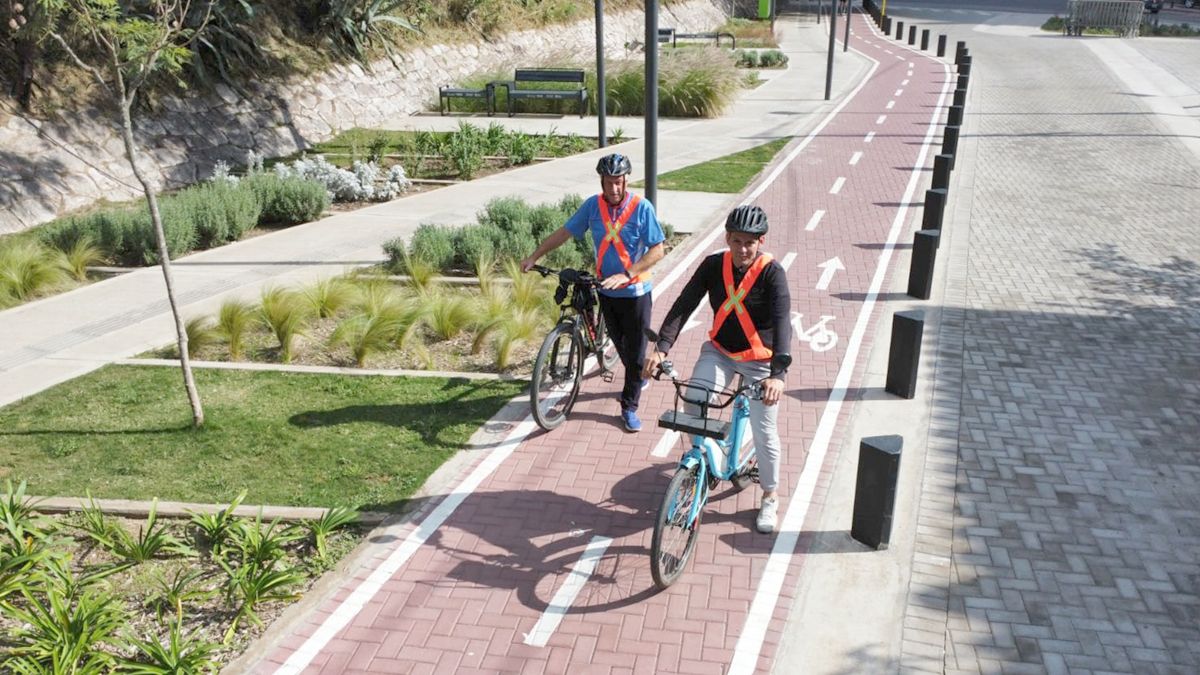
(136,509)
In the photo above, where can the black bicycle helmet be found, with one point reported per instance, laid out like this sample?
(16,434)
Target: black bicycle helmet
(748,219)
(613,165)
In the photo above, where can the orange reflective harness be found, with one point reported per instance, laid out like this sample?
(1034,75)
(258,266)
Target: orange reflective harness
(734,304)
(612,238)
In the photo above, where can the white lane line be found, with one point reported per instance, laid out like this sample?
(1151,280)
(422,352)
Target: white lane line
(904,83)
(837,185)
(869,137)
(812,222)
(665,444)
(345,612)
(855,157)
(890,105)
(888,51)
(749,644)
(576,579)
(788,260)
(880,119)
(899,91)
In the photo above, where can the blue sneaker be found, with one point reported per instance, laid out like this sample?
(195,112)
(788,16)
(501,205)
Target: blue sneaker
(632,423)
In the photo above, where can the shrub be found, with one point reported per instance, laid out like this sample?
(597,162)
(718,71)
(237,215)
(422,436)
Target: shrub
(747,58)
(286,314)
(545,219)
(201,333)
(234,320)
(287,201)
(140,247)
(464,150)
(219,211)
(510,214)
(476,242)
(395,250)
(772,58)
(433,245)
(521,149)
(28,268)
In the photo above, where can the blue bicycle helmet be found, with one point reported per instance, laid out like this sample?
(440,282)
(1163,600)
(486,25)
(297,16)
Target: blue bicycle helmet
(614,165)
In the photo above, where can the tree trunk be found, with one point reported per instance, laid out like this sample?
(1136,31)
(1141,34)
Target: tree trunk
(164,258)
(26,51)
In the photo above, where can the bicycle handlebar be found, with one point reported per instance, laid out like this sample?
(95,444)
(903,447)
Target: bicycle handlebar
(567,275)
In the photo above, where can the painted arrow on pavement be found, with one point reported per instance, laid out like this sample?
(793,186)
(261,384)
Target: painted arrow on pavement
(828,269)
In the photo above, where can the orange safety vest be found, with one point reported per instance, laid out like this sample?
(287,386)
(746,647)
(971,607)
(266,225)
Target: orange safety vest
(733,305)
(613,237)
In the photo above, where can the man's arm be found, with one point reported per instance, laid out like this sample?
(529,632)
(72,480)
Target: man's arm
(653,255)
(689,298)
(557,238)
(781,305)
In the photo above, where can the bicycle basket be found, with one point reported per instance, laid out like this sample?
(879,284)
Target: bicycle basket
(710,423)
(583,298)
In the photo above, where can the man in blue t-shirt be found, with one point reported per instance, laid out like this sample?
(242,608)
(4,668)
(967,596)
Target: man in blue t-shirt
(629,241)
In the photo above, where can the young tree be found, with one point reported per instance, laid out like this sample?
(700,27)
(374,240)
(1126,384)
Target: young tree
(122,44)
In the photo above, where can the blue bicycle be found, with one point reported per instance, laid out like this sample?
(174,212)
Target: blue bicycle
(715,455)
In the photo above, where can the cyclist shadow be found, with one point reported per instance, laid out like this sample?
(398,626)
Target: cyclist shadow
(499,541)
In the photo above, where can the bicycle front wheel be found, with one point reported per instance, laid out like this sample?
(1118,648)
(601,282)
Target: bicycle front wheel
(557,372)
(674,531)
(607,351)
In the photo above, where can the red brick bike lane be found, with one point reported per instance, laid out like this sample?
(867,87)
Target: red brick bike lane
(538,560)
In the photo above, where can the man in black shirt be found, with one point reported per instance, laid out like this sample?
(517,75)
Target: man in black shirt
(751,335)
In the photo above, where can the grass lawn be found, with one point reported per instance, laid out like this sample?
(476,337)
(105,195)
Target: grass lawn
(730,174)
(286,438)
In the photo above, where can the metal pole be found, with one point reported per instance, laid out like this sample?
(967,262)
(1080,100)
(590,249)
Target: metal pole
(601,103)
(832,40)
(651,114)
(846,40)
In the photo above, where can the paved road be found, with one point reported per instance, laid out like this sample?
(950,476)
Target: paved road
(1067,388)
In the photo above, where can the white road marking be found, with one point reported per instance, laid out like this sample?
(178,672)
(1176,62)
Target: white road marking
(855,157)
(812,222)
(576,578)
(888,51)
(665,444)
(345,612)
(788,260)
(900,57)
(869,137)
(837,185)
(899,91)
(880,119)
(903,83)
(750,639)
(828,269)
(890,105)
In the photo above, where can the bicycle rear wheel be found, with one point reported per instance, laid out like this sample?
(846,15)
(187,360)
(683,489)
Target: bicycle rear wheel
(674,537)
(557,372)
(608,351)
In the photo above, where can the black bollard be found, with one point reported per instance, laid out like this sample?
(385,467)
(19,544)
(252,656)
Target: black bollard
(954,116)
(941,172)
(875,490)
(941,46)
(912,35)
(964,68)
(905,353)
(887,25)
(960,97)
(924,39)
(963,80)
(920,266)
(935,207)
(899,30)
(960,50)
(950,143)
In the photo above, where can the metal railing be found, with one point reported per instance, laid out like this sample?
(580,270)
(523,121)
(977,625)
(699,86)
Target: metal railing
(1120,16)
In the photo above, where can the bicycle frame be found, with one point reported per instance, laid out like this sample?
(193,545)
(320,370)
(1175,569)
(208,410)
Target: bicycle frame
(702,455)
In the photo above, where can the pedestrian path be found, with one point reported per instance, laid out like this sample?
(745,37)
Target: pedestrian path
(536,559)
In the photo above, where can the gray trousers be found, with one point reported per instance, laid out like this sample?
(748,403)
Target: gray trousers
(716,371)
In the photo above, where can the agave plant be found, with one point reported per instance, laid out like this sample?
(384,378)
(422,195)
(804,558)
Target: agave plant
(234,321)
(180,654)
(171,593)
(320,529)
(328,296)
(215,526)
(201,333)
(355,25)
(286,314)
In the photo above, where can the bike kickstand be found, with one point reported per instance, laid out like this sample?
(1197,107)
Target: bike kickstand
(607,376)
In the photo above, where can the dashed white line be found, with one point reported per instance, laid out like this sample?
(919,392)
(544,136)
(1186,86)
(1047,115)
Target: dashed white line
(812,222)
(888,51)
(890,105)
(899,91)
(900,57)
(576,579)
(869,137)
(837,185)
(855,157)
(905,83)
(788,260)
(665,444)
(881,119)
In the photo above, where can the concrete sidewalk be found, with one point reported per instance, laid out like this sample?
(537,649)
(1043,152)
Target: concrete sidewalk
(52,340)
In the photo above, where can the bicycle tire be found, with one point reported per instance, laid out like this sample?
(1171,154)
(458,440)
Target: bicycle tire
(556,377)
(607,351)
(665,566)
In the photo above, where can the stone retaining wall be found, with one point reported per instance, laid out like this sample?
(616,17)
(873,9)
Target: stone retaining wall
(48,168)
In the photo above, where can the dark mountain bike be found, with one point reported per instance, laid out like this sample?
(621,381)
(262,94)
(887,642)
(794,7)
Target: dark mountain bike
(578,336)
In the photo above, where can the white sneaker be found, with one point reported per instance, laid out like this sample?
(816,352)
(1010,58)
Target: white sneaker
(768,515)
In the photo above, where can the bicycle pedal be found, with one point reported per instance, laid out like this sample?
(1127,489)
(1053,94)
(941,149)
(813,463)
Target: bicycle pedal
(754,475)
(607,376)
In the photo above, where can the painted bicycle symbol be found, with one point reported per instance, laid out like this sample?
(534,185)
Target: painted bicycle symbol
(819,337)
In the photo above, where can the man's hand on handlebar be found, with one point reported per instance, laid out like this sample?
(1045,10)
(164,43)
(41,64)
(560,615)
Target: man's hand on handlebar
(650,365)
(772,390)
(528,263)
